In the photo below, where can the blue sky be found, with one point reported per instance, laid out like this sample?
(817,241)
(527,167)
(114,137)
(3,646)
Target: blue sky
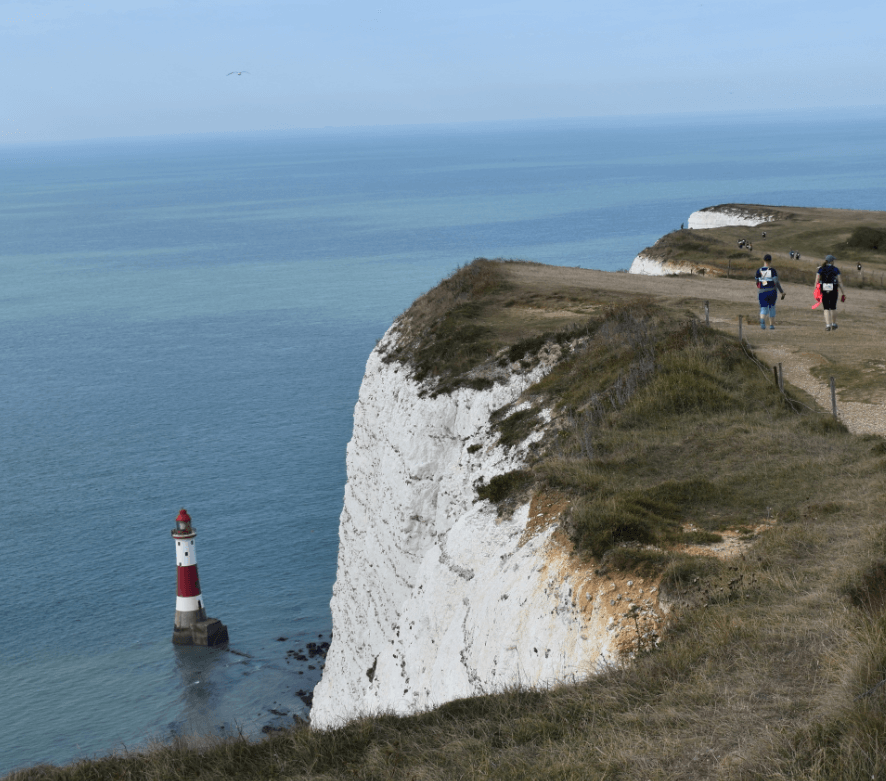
(76,69)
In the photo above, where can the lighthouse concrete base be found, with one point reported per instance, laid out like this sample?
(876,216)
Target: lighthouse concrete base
(210,632)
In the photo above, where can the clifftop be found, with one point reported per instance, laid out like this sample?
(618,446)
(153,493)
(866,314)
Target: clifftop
(620,340)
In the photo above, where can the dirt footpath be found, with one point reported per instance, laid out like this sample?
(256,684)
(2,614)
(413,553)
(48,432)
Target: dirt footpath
(855,354)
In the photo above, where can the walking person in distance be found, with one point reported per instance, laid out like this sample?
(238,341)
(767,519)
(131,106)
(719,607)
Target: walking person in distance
(828,277)
(769,287)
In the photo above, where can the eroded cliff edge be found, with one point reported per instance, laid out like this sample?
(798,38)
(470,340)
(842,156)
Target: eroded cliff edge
(437,595)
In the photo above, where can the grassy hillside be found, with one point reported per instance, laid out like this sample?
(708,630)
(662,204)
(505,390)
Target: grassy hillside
(666,434)
(853,237)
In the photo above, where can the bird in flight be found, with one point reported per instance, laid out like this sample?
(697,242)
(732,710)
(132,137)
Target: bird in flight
(239,73)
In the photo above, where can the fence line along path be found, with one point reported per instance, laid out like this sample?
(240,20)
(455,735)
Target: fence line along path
(858,417)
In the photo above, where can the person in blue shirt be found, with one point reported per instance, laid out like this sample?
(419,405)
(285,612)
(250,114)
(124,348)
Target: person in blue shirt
(770,287)
(829,277)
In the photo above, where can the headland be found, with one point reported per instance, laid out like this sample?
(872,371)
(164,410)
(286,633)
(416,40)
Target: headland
(587,535)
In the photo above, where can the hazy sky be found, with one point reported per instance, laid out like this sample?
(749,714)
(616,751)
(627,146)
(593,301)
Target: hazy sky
(77,69)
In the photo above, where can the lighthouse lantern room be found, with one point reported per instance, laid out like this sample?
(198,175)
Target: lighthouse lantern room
(192,627)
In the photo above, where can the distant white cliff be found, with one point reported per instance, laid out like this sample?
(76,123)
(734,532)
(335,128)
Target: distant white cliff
(437,597)
(652,267)
(711,217)
(723,216)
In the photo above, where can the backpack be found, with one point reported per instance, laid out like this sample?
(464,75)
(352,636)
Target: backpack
(828,274)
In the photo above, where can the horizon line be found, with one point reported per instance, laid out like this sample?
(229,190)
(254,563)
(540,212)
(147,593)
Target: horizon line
(832,114)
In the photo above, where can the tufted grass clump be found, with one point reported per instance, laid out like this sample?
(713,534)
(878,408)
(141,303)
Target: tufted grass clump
(504,486)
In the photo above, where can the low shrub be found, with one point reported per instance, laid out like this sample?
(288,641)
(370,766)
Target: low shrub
(824,424)
(480,383)
(516,427)
(867,589)
(687,574)
(642,561)
(602,523)
(502,487)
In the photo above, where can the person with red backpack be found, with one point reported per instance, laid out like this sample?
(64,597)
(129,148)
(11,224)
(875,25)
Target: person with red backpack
(828,277)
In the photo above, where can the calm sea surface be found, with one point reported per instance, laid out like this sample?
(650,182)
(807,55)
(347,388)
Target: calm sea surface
(185,322)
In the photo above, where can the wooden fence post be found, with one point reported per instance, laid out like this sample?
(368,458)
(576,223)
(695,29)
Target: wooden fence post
(739,327)
(780,379)
(833,399)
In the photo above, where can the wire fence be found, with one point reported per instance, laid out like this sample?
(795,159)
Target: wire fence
(778,373)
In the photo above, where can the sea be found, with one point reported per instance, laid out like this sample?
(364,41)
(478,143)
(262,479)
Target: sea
(184,323)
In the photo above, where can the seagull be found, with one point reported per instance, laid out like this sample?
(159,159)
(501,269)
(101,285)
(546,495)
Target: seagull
(239,73)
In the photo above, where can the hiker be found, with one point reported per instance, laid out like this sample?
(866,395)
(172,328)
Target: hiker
(770,287)
(828,277)
(792,254)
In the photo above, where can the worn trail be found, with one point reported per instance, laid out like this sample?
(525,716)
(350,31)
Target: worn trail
(855,354)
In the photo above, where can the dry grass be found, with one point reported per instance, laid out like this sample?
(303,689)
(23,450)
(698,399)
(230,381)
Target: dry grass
(469,329)
(864,381)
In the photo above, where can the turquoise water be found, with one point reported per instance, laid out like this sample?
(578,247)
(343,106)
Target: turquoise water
(185,322)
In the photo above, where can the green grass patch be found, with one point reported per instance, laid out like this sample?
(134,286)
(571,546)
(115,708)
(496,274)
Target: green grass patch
(863,381)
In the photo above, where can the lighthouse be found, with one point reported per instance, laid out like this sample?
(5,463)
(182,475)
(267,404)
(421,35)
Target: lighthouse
(192,627)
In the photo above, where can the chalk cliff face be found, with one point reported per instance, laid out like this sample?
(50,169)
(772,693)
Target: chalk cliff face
(723,216)
(653,267)
(436,597)
(643,264)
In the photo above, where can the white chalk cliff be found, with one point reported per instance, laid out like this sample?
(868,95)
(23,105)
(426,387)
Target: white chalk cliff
(437,597)
(723,216)
(653,267)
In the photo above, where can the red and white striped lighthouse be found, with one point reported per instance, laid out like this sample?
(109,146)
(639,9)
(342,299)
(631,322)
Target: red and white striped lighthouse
(192,627)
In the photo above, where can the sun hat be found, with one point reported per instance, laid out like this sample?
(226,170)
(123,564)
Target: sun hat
(767,257)
(829,259)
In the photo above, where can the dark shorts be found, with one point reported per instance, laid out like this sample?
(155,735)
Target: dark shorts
(829,298)
(768,298)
